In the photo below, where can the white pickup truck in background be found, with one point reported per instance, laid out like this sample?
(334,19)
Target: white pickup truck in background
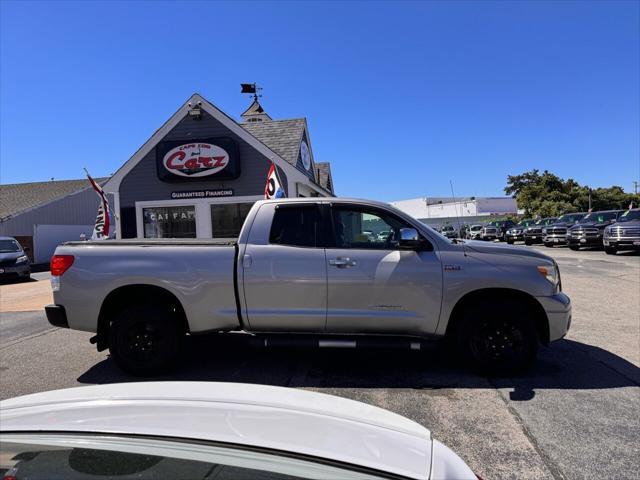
(310,271)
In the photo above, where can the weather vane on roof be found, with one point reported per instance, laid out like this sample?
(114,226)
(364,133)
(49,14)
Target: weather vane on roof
(251,88)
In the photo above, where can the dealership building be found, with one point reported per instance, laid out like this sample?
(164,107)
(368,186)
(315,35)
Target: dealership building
(196,177)
(437,211)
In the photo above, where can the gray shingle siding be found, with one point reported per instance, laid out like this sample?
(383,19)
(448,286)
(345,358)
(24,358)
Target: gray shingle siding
(323,171)
(19,197)
(78,208)
(283,137)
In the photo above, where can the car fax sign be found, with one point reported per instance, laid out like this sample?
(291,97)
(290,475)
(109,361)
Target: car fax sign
(205,159)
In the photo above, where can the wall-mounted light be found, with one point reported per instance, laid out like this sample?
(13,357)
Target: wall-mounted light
(195,112)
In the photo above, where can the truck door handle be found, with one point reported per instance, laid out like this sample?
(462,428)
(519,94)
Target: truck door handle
(342,262)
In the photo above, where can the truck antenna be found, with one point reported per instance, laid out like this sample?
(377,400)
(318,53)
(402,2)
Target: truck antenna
(455,205)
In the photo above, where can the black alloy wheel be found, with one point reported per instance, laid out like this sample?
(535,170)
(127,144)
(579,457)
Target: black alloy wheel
(498,343)
(145,340)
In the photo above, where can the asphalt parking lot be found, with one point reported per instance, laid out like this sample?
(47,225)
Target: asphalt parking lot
(576,415)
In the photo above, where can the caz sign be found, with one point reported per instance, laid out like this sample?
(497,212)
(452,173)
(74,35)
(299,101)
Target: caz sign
(196,160)
(179,161)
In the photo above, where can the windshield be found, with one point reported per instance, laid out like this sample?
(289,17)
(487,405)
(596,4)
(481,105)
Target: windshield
(7,246)
(545,221)
(570,217)
(475,228)
(82,456)
(524,223)
(598,217)
(447,228)
(630,215)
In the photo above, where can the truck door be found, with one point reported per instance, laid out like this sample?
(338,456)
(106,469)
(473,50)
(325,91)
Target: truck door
(374,286)
(285,270)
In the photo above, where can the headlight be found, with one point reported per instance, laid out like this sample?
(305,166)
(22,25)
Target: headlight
(22,259)
(550,272)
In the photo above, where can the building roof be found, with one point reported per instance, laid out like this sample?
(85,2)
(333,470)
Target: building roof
(18,197)
(323,174)
(256,111)
(281,136)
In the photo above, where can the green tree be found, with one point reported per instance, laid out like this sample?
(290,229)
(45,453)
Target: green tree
(546,194)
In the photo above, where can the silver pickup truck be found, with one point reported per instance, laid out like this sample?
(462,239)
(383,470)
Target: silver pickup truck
(314,271)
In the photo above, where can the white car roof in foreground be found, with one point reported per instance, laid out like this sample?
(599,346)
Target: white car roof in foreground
(299,421)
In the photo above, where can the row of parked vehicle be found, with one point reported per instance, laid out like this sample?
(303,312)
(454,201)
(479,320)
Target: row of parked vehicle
(615,230)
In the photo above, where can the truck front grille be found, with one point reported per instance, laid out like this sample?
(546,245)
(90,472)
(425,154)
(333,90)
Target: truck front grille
(625,232)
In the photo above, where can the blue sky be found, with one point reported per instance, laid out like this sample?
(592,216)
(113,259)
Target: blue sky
(400,97)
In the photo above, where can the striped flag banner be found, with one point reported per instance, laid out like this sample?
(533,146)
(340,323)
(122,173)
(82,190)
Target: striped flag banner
(273,189)
(103,228)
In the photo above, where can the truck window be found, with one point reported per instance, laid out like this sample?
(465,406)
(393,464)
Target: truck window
(350,228)
(296,226)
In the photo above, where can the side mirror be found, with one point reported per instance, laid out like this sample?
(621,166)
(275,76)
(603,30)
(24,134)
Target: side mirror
(409,238)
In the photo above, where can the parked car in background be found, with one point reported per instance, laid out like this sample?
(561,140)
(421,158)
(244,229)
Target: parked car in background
(463,231)
(415,285)
(516,232)
(206,430)
(533,234)
(449,231)
(624,234)
(474,232)
(14,261)
(370,235)
(502,226)
(489,233)
(383,236)
(589,231)
(556,233)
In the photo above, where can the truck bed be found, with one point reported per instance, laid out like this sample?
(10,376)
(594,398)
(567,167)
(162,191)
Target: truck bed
(200,273)
(131,242)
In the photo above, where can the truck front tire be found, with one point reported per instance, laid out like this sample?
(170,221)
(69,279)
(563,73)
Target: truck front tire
(145,340)
(610,250)
(499,340)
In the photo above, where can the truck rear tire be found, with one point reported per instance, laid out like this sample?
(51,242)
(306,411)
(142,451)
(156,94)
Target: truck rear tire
(145,340)
(497,341)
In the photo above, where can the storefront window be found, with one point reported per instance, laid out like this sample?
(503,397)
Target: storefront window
(169,222)
(227,219)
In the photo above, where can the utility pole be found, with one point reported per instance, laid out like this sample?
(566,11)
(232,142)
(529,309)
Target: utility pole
(635,187)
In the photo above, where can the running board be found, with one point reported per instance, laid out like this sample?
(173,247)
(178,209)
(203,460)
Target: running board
(294,341)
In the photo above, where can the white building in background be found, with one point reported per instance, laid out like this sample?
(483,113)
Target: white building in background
(441,210)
